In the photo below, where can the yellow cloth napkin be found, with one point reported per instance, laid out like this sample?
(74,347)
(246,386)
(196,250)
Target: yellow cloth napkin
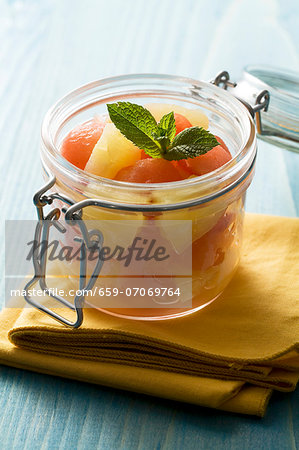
(229,356)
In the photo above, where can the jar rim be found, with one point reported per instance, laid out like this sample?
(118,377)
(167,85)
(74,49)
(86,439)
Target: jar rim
(239,163)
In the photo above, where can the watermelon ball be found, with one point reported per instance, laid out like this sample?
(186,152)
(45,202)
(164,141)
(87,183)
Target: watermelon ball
(211,160)
(144,155)
(150,170)
(223,145)
(80,141)
(181,123)
(182,168)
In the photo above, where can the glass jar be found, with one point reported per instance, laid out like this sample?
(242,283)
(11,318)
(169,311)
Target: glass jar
(213,202)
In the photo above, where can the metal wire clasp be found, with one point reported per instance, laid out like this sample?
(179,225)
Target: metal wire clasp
(261,103)
(91,240)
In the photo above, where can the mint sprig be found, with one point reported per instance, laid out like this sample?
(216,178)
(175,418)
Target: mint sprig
(158,140)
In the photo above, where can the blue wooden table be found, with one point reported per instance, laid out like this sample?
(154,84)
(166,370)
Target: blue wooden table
(49,47)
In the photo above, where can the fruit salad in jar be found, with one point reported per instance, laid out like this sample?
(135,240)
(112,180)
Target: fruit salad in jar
(154,145)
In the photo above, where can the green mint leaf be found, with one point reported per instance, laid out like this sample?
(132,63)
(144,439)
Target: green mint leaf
(167,124)
(181,152)
(190,143)
(196,135)
(137,124)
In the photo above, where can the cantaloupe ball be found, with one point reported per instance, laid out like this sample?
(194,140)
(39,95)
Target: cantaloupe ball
(111,153)
(195,116)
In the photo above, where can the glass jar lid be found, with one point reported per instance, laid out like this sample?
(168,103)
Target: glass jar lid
(278,123)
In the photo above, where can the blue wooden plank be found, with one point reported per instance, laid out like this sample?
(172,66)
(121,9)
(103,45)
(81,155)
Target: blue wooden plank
(47,412)
(50,47)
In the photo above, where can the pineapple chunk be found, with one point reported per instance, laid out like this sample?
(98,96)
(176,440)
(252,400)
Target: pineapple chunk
(99,161)
(111,153)
(122,152)
(195,116)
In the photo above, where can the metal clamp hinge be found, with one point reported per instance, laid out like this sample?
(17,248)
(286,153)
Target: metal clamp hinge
(222,80)
(91,240)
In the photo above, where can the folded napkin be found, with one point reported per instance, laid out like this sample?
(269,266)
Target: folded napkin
(229,356)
